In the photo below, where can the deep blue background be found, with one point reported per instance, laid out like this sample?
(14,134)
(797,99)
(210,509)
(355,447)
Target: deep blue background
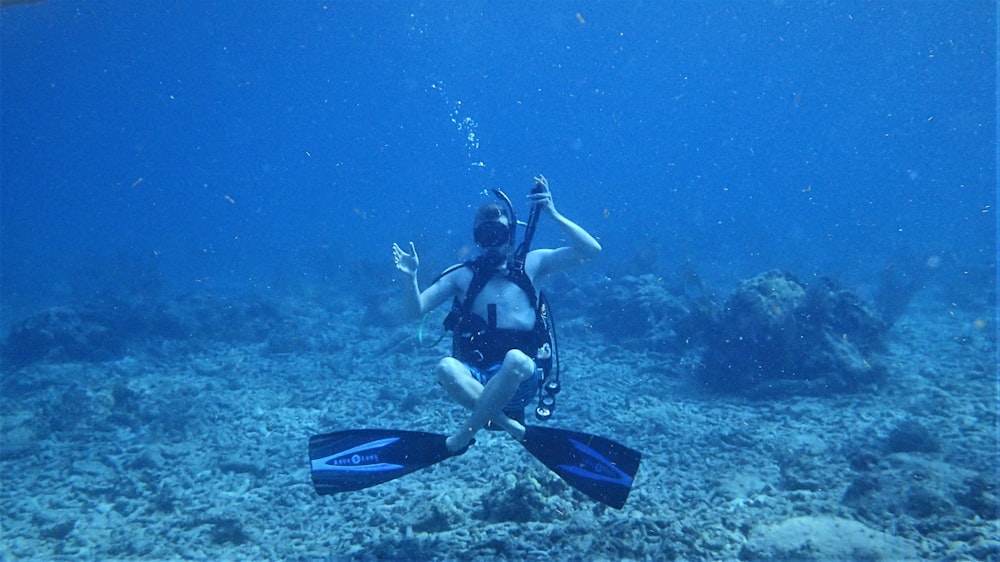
(235,146)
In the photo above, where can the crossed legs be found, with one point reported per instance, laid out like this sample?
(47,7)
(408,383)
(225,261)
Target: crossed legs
(486,402)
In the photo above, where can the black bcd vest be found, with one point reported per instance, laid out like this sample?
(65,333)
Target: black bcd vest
(477,340)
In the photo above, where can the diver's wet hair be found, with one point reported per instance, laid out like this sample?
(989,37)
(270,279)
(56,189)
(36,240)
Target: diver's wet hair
(490,212)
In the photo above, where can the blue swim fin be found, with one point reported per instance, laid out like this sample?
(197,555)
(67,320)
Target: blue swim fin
(359,458)
(600,468)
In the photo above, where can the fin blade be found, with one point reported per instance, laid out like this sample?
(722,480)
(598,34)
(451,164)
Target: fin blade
(601,468)
(360,458)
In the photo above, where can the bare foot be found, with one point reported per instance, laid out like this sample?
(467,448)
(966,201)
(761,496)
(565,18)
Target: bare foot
(458,444)
(516,430)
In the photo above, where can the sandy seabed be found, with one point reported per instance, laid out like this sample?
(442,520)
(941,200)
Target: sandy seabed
(199,452)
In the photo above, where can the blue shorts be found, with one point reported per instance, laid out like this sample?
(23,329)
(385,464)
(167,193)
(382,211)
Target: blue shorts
(525,392)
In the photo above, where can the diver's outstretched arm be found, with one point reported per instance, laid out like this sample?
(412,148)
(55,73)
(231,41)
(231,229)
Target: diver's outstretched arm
(408,264)
(416,302)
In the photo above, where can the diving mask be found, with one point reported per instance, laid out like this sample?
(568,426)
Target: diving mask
(492,234)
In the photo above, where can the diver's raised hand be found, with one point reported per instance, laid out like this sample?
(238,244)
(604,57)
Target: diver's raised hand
(407,263)
(541,195)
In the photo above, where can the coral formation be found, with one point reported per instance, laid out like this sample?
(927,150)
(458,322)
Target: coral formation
(64,334)
(778,336)
(108,330)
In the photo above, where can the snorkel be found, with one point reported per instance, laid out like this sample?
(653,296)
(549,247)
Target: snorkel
(512,227)
(521,253)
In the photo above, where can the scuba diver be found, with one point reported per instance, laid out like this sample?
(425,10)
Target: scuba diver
(504,352)
(500,338)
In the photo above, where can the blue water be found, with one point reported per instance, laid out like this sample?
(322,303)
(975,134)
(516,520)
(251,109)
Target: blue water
(212,190)
(236,147)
